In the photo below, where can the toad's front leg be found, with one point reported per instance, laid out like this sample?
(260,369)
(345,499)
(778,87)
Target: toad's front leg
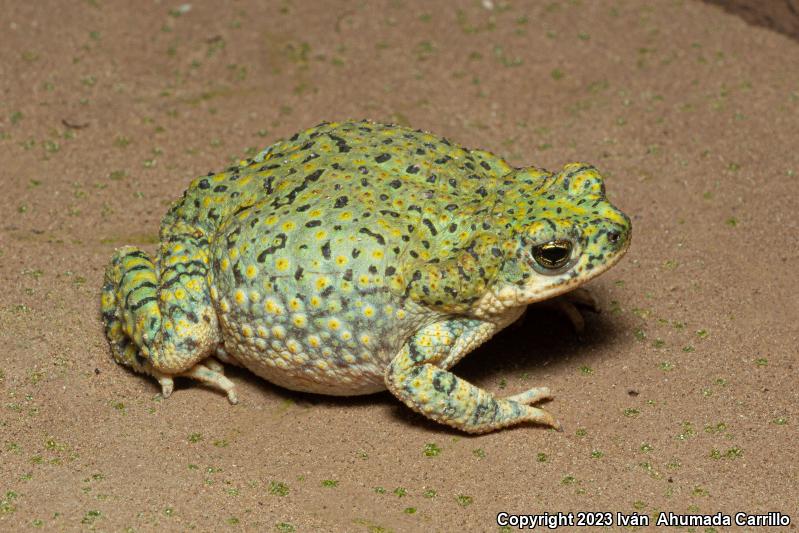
(419,377)
(160,321)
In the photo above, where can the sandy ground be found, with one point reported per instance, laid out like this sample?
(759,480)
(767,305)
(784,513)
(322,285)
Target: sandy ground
(778,15)
(682,395)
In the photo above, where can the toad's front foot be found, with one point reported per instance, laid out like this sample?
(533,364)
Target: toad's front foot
(533,396)
(448,399)
(569,304)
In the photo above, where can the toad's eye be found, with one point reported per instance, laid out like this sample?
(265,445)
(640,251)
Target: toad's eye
(552,255)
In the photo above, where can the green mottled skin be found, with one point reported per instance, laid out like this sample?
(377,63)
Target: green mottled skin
(357,257)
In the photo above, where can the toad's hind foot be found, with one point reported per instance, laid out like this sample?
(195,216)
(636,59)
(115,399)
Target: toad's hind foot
(213,378)
(208,374)
(159,321)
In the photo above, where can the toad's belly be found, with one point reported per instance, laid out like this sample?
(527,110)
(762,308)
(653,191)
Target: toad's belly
(343,353)
(306,373)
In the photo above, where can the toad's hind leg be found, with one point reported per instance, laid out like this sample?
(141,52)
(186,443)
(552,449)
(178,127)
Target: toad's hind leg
(419,377)
(158,318)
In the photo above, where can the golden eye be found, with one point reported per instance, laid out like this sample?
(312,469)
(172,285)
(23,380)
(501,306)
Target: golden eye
(553,255)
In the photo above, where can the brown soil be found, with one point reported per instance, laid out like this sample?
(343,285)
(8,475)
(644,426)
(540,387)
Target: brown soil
(777,15)
(681,397)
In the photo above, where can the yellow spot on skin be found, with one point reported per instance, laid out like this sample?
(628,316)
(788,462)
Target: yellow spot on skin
(365,339)
(240,297)
(279,332)
(193,285)
(316,301)
(341,260)
(255,296)
(180,293)
(272,307)
(295,304)
(314,341)
(224,306)
(288,225)
(214,293)
(377,254)
(282,264)
(262,332)
(224,264)
(322,364)
(299,320)
(176,259)
(321,283)
(251,271)
(368,311)
(293,346)
(233,253)
(246,330)
(349,358)
(333,324)
(400,314)
(270,220)
(346,215)
(346,335)
(321,234)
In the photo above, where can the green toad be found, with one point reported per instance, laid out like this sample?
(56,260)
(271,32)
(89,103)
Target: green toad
(357,257)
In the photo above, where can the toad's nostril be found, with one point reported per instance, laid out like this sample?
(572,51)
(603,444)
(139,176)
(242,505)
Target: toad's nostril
(613,236)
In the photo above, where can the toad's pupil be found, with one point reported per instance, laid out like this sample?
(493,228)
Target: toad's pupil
(553,254)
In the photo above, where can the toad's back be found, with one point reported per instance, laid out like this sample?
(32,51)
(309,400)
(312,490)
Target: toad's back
(367,169)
